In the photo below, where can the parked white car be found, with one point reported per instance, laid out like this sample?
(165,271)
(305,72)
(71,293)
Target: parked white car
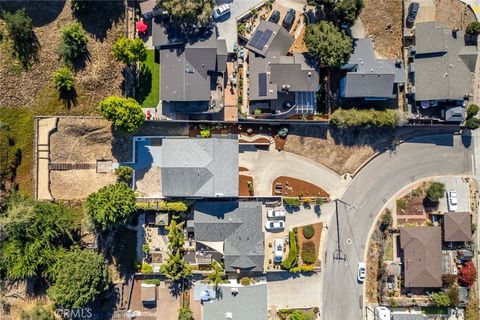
(452,200)
(220,11)
(276,214)
(278,250)
(275,225)
(361,271)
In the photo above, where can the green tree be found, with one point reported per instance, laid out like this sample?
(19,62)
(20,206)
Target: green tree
(472,123)
(347,11)
(441,299)
(73,43)
(185,314)
(297,315)
(176,267)
(190,13)
(436,191)
(35,233)
(64,81)
(124,174)
(38,312)
(80,277)
(472,110)
(19,27)
(129,51)
(111,205)
(328,44)
(473,29)
(216,276)
(453,297)
(125,113)
(175,236)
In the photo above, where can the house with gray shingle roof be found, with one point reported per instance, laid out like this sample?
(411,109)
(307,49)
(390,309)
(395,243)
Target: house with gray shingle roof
(278,80)
(370,78)
(422,256)
(233,229)
(440,70)
(192,68)
(186,167)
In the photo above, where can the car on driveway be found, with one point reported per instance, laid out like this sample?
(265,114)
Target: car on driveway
(361,271)
(412,13)
(289,19)
(452,200)
(276,214)
(275,225)
(275,17)
(220,11)
(278,250)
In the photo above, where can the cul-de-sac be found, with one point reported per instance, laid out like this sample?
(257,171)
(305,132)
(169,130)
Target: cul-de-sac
(239,159)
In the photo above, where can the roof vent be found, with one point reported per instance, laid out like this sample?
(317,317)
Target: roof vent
(309,74)
(228,316)
(285,87)
(451,66)
(445,75)
(371,70)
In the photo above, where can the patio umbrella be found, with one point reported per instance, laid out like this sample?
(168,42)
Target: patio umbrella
(204,295)
(141,26)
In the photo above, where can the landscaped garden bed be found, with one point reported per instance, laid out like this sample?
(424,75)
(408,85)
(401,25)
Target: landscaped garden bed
(245,186)
(309,240)
(292,187)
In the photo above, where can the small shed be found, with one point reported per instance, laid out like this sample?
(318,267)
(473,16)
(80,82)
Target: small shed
(159,219)
(148,293)
(150,9)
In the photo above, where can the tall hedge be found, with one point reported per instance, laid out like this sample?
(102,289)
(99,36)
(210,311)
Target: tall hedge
(371,118)
(292,258)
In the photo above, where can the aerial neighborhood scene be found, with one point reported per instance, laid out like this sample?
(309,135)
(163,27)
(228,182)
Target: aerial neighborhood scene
(239,159)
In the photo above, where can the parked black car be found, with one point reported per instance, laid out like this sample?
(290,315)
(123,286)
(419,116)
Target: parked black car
(289,19)
(275,17)
(412,13)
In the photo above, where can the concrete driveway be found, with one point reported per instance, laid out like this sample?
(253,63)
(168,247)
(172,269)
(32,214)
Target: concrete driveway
(287,290)
(227,26)
(459,185)
(266,165)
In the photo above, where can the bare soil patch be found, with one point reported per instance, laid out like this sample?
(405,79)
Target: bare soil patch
(318,227)
(342,150)
(243,169)
(382,20)
(243,185)
(293,187)
(299,45)
(101,75)
(78,184)
(454,14)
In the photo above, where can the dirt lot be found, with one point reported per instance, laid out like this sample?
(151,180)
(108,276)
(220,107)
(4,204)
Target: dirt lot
(80,140)
(341,150)
(292,187)
(454,14)
(382,20)
(101,76)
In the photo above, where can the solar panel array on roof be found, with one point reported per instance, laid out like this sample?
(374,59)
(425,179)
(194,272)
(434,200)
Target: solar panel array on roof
(262,84)
(260,38)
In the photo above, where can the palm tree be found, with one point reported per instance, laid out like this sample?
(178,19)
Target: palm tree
(216,277)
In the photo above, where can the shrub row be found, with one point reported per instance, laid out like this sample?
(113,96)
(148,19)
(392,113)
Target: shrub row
(293,202)
(292,259)
(309,268)
(372,118)
(308,253)
(308,231)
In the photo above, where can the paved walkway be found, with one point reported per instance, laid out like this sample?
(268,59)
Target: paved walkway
(265,166)
(45,127)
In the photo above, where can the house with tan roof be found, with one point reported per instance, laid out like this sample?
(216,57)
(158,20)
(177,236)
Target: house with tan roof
(422,256)
(457,227)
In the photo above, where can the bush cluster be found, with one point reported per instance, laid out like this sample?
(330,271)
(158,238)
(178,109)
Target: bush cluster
(308,253)
(472,122)
(245,281)
(124,174)
(370,118)
(177,206)
(74,42)
(292,258)
(436,191)
(292,202)
(308,231)
(309,268)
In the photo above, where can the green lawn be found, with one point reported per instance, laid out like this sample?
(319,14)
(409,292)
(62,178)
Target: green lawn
(148,92)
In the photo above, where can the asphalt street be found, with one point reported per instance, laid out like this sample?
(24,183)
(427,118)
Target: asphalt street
(377,182)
